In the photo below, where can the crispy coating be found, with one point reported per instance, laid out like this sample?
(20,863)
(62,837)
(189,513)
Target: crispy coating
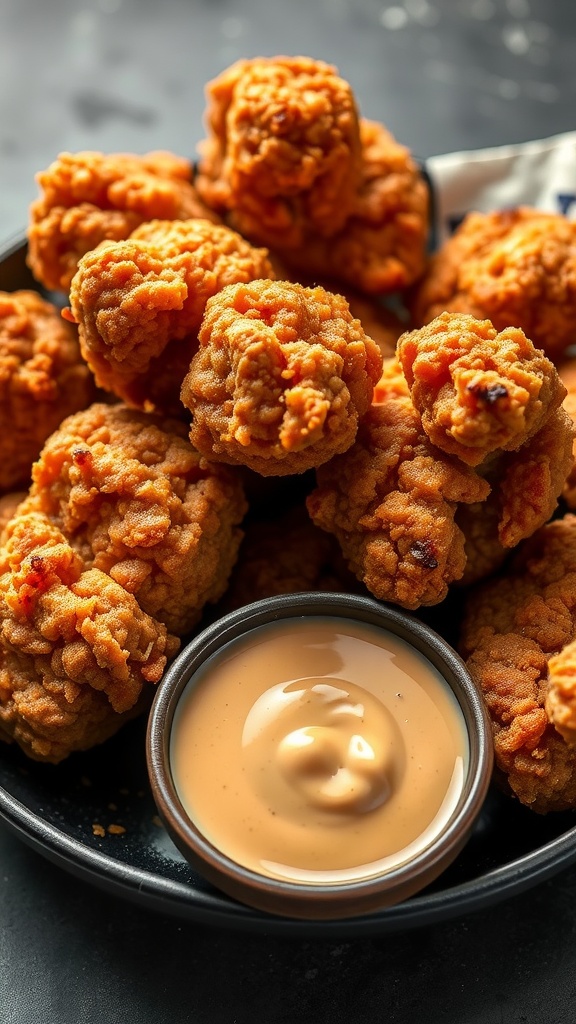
(478,391)
(77,653)
(390,501)
(283,154)
(42,379)
(561,696)
(89,196)
(518,636)
(529,482)
(382,246)
(567,373)
(284,556)
(139,304)
(281,377)
(513,267)
(138,503)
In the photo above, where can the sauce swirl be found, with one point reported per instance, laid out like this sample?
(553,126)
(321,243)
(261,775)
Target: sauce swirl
(319,750)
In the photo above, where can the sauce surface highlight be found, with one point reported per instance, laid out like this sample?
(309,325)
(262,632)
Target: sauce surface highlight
(319,750)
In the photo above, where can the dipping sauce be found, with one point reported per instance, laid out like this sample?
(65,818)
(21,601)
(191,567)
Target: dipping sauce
(319,750)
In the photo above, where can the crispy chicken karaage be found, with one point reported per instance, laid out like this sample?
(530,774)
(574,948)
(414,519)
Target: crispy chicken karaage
(42,379)
(518,637)
(514,267)
(478,390)
(289,163)
(283,154)
(391,499)
(280,379)
(77,653)
(90,196)
(139,304)
(137,502)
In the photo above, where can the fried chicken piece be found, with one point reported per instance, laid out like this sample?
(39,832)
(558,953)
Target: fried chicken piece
(77,653)
(390,501)
(382,246)
(139,304)
(89,196)
(283,155)
(292,167)
(284,556)
(478,391)
(42,379)
(281,377)
(567,374)
(138,503)
(525,487)
(561,696)
(513,267)
(528,482)
(518,637)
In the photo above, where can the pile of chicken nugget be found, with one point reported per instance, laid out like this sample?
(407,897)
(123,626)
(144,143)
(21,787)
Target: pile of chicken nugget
(269,317)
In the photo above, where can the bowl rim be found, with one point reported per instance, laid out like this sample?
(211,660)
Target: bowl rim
(216,865)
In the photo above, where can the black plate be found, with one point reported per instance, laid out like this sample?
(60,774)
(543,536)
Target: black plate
(55,809)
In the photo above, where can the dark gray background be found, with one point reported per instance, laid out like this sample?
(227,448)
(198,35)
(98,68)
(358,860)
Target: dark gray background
(129,75)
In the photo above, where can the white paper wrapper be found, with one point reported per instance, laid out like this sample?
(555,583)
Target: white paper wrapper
(541,174)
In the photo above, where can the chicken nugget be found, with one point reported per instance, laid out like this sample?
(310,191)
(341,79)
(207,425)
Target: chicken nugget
(138,503)
(280,379)
(514,267)
(139,304)
(89,196)
(283,155)
(518,636)
(391,499)
(77,653)
(478,390)
(42,380)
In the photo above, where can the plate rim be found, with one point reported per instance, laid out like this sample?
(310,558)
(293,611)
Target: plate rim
(180,899)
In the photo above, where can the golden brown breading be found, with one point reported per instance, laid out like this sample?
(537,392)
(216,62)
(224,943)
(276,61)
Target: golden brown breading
(529,482)
(139,304)
(567,374)
(477,390)
(390,501)
(280,379)
(76,650)
(382,246)
(283,556)
(513,267)
(283,154)
(561,696)
(518,635)
(137,502)
(89,196)
(42,379)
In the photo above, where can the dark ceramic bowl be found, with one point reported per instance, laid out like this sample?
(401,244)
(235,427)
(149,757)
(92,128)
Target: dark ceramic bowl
(335,900)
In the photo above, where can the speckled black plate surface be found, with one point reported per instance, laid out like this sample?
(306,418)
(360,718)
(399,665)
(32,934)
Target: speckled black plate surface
(55,809)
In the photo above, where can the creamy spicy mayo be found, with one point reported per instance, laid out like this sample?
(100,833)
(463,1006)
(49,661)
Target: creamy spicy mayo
(319,750)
